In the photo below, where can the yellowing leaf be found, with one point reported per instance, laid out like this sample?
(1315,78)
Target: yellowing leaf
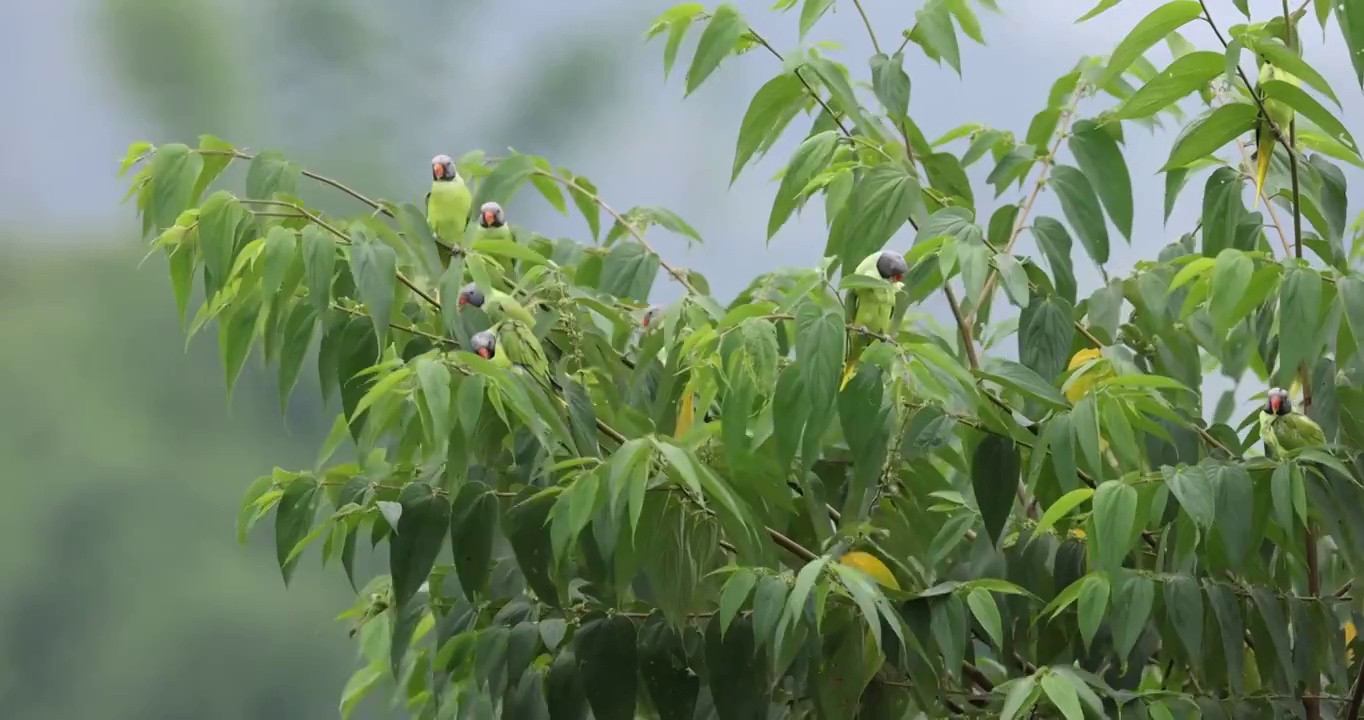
(872,566)
(686,413)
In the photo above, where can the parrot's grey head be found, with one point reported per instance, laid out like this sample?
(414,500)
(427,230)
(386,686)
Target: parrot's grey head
(443,168)
(649,316)
(491,215)
(471,295)
(484,344)
(891,266)
(1277,402)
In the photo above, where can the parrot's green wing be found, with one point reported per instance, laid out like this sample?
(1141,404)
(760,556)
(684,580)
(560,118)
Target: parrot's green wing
(1296,431)
(518,344)
(501,306)
(1265,140)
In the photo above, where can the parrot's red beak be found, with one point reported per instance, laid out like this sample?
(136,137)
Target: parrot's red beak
(896,278)
(463,300)
(1275,402)
(437,170)
(489,217)
(644,322)
(483,353)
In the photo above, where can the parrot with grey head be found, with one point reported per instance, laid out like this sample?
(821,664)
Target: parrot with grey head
(1284,429)
(447,206)
(515,336)
(484,345)
(492,223)
(872,308)
(651,316)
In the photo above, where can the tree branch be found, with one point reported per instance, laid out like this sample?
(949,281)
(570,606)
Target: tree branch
(374,205)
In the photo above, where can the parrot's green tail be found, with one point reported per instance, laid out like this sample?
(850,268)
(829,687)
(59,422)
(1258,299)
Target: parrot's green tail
(1264,153)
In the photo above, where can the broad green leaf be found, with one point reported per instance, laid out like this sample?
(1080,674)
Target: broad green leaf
(175,173)
(1131,610)
(810,12)
(1223,211)
(1194,490)
(1350,291)
(1299,318)
(1150,30)
(1226,608)
(1099,9)
(358,687)
(1081,207)
(1279,55)
(1115,511)
(473,522)
(717,41)
(374,267)
(663,665)
(417,540)
(293,519)
(1211,133)
(810,159)
(506,178)
(605,647)
(765,115)
(1045,332)
(1091,605)
(525,526)
(1102,162)
(1230,279)
(319,266)
(983,606)
(1024,380)
(584,195)
(1061,507)
(270,173)
(1014,278)
(934,32)
(889,80)
(1350,18)
(1184,608)
(629,271)
(1294,97)
(1185,75)
(1063,695)
(1054,242)
(995,468)
(883,200)
(819,353)
(1024,692)
(734,595)
(1174,182)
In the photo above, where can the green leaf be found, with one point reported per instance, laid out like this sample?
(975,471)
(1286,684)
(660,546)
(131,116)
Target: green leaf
(1081,207)
(995,468)
(1185,75)
(1296,98)
(358,687)
(1045,331)
(810,13)
(983,606)
(1208,134)
(890,82)
(1015,279)
(1061,507)
(628,271)
(218,156)
(1054,242)
(945,173)
(1024,380)
(1192,487)
(767,115)
(417,540)
(270,173)
(934,32)
(319,265)
(810,159)
(664,667)
(607,662)
(1350,18)
(1227,610)
(1091,605)
(293,519)
(717,41)
(1150,30)
(1184,608)
(884,199)
(805,582)
(526,530)
(175,172)
(1278,54)
(374,267)
(1063,695)
(509,249)
(1350,290)
(1223,210)
(584,195)
(1024,691)
(1230,280)
(1115,512)
(734,594)
(819,353)
(1174,182)
(1299,318)
(295,340)
(473,522)
(1101,161)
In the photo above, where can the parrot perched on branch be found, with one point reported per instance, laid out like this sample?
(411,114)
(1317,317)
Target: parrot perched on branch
(872,308)
(484,345)
(492,223)
(1280,113)
(514,331)
(1284,429)
(447,205)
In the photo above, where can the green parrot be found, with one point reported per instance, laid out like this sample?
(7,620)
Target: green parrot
(1281,114)
(1284,430)
(520,346)
(492,223)
(872,308)
(447,205)
(651,314)
(484,345)
(498,305)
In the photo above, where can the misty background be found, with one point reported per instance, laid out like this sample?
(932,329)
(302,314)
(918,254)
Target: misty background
(122,591)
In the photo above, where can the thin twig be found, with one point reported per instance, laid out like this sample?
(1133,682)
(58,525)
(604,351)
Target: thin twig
(308,174)
(1245,79)
(866,21)
(962,326)
(1063,128)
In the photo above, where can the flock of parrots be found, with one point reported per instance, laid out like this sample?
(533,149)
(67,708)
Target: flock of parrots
(511,340)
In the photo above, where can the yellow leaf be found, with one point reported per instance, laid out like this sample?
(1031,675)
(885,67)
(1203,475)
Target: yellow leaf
(872,566)
(1077,533)
(1082,357)
(686,414)
(1349,638)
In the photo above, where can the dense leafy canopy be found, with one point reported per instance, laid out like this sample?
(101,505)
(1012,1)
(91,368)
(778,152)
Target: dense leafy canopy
(697,517)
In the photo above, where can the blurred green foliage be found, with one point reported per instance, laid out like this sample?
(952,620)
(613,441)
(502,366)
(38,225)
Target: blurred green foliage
(125,596)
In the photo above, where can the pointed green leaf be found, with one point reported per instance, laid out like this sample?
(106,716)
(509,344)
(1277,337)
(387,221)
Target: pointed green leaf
(1150,30)
(717,41)
(1081,207)
(767,114)
(1210,133)
(1185,75)
(607,663)
(995,468)
(473,522)
(1299,318)
(1101,160)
